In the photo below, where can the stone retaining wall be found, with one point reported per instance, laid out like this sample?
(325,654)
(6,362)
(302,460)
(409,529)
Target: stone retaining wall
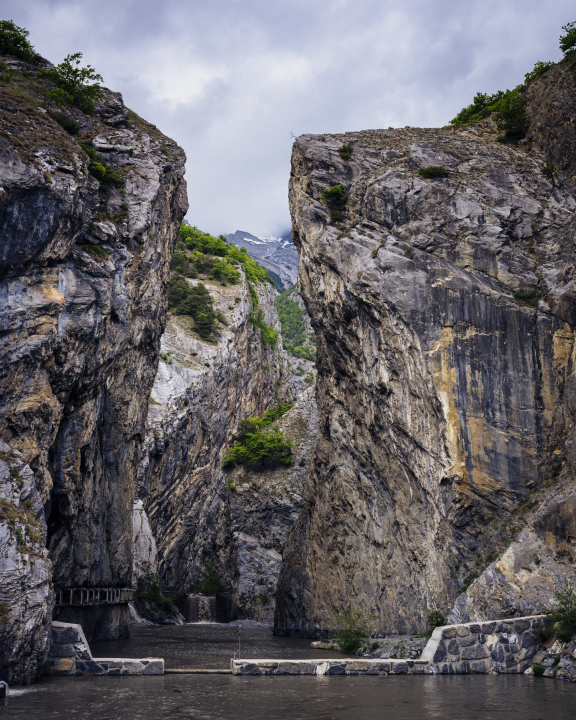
(70,655)
(500,646)
(328,667)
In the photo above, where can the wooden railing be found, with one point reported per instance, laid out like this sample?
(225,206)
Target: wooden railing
(78,597)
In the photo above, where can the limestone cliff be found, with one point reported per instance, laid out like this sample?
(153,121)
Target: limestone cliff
(25,570)
(84,267)
(201,392)
(444,314)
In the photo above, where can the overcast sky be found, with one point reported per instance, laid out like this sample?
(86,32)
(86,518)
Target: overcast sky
(232,81)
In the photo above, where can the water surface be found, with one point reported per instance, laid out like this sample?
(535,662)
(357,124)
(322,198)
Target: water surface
(227,697)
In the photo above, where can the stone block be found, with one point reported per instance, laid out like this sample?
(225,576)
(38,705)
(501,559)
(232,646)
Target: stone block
(462,631)
(475,629)
(449,633)
(440,653)
(373,670)
(510,660)
(286,668)
(90,667)
(308,669)
(529,671)
(550,672)
(82,652)
(64,665)
(357,666)
(447,669)
(539,656)
(498,669)
(3,689)
(400,668)
(384,667)
(154,667)
(251,669)
(497,654)
(526,654)
(528,640)
(132,667)
(467,640)
(62,636)
(454,647)
(337,669)
(488,628)
(418,670)
(522,667)
(432,670)
(521,626)
(62,651)
(462,668)
(478,667)
(473,652)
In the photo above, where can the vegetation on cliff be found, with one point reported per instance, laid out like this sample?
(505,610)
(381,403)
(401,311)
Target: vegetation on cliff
(75,85)
(258,442)
(508,107)
(336,198)
(151,602)
(199,253)
(352,626)
(14,41)
(297,337)
(210,581)
(195,301)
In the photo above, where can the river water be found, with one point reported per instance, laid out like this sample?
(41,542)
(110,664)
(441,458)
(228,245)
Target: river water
(225,697)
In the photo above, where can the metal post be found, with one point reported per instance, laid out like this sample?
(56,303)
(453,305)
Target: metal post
(239,629)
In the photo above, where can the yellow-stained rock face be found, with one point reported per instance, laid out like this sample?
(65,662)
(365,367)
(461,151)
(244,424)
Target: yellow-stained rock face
(444,313)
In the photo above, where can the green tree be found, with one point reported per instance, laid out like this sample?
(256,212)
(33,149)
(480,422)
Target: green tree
(568,41)
(210,581)
(436,619)
(510,115)
(14,41)
(253,445)
(353,626)
(565,613)
(75,85)
(336,198)
(193,301)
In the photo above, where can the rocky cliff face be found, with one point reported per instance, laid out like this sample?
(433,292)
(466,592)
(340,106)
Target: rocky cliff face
(27,598)
(444,314)
(84,275)
(201,392)
(260,509)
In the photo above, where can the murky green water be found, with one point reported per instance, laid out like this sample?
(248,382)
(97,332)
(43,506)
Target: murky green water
(224,697)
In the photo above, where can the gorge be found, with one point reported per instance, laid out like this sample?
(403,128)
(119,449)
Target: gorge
(422,372)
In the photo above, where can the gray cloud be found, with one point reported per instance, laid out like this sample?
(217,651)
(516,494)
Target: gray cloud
(230,81)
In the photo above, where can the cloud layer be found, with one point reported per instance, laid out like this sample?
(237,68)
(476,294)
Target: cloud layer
(232,81)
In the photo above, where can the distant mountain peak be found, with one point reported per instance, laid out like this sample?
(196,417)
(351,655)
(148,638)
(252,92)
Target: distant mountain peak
(277,254)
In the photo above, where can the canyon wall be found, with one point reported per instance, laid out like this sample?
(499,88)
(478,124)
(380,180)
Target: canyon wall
(84,272)
(444,314)
(201,392)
